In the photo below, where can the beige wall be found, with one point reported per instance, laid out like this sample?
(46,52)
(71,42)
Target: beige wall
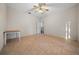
(78,21)
(18,19)
(2,22)
(55,22)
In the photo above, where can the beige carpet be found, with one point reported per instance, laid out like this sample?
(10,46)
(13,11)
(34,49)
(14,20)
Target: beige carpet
(41,45)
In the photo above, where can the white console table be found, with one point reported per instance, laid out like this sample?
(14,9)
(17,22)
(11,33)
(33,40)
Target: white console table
(12,31)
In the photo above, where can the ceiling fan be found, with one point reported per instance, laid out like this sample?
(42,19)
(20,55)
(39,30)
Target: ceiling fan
(40,8)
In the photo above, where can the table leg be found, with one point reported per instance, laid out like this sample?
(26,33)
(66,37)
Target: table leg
(5,38)
(19,35)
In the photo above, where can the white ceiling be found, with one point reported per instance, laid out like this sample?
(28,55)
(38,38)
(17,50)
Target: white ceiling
(61,4)
(52,6)
(30,5)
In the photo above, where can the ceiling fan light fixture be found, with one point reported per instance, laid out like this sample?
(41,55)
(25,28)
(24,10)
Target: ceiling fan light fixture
(40,11)
(40,8)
